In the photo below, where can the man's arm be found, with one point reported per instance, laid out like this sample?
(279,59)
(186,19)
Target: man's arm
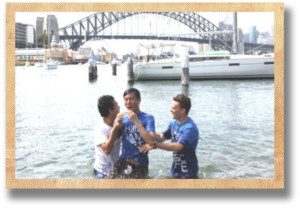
(109,144)
(149,137)
(175,147)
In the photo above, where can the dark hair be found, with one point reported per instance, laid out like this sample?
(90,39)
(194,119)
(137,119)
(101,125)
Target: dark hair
(105,103)
(184,101)
(133,90)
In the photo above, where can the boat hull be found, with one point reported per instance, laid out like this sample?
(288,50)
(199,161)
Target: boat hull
(50,66)
(212,69)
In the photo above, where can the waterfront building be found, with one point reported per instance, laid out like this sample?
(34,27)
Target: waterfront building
(56,52)
(30,54)
(24,35)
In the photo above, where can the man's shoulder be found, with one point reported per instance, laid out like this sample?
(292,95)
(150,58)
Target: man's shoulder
(191,124)
(101,126)
(146,115)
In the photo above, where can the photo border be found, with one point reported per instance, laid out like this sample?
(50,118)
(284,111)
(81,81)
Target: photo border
(276,183)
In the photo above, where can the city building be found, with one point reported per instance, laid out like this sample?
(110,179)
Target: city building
(51,27)
(30,54)
(56,52)
(226,27)
(39,25)
(252,34)
(24,35)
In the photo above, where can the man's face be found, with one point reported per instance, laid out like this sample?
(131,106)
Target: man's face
(116,109)
(132,103)
(176,110)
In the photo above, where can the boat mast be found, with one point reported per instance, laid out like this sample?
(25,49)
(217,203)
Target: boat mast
(234,44)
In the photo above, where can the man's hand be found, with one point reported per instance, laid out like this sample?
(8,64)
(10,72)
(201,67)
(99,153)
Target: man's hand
(133,117)
(144,148)
(118,121)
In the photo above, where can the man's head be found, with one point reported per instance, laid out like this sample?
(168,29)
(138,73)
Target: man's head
(181,106)
(132,99)
(108,106)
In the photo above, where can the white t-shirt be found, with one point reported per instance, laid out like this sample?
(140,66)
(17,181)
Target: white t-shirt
(105,162)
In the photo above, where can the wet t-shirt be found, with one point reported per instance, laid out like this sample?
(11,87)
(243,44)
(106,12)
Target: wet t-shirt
(132,139)
(185,162)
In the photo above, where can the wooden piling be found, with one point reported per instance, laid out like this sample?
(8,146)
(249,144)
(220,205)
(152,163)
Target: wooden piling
(114,67)
(130,74)
(93,74)
(185,75)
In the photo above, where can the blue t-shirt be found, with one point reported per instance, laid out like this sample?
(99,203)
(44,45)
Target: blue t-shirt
(185,162)
(132,139)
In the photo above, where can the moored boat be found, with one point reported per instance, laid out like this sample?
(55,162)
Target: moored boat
(208,67)
(50,64)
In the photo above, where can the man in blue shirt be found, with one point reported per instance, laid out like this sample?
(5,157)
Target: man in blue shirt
(184,135)
(138,129)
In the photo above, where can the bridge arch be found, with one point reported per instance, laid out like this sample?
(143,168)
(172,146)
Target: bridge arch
(91,27)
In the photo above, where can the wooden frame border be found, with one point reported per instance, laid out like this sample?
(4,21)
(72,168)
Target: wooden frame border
(276,183)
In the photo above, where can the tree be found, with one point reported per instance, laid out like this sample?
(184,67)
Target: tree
(42,40)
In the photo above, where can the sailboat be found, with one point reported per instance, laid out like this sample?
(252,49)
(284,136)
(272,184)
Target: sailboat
(217,65)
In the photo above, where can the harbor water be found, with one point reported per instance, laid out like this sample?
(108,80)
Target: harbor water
(56,111)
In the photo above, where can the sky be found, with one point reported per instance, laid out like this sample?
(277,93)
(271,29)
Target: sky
(262,20)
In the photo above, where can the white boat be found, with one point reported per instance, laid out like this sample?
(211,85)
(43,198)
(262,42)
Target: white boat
(208,67)
(50,64)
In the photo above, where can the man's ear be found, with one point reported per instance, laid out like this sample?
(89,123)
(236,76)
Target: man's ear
(183,110)
(111,110)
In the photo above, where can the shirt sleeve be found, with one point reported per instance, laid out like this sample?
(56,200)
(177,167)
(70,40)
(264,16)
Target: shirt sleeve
(150,125)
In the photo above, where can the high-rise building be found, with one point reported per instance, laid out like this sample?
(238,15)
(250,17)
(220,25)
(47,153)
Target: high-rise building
(226,27)
(30,36)
(20,35)
(39,25)
(252,35)
(24,35)
(51,27)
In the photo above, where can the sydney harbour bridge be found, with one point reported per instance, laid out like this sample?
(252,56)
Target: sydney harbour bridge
(152,26)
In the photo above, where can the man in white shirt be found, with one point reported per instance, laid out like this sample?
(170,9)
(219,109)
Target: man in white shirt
(107,138)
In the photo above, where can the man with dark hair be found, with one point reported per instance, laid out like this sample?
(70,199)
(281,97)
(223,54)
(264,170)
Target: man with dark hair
(138,129)
(107,140)
(184,135)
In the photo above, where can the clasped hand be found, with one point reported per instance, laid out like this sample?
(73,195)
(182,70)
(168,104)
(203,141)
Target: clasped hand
(144,148)
(118,120)
(132,117)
